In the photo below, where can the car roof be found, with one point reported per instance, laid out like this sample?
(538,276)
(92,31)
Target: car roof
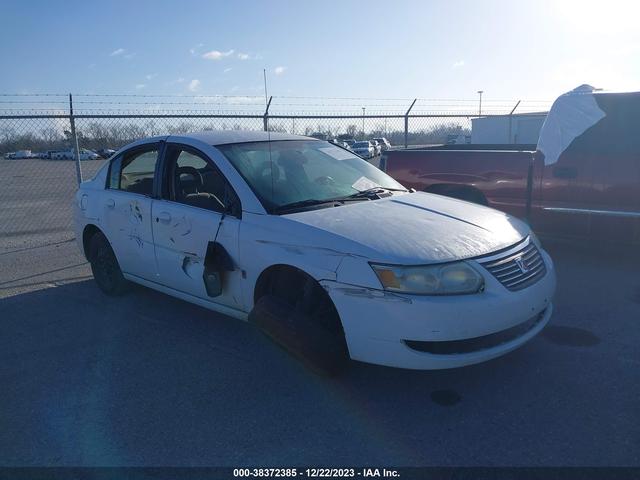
(222,137)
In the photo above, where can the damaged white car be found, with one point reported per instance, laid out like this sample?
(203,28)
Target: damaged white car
(328,255)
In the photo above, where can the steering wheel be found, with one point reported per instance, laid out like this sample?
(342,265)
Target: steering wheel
(197,176)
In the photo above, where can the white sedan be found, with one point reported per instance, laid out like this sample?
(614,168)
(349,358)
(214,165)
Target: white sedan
(328,255)
(364,149)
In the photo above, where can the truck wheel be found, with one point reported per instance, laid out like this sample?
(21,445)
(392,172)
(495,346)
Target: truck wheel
(299,315)
(466,194)
(104,266)
(470,196)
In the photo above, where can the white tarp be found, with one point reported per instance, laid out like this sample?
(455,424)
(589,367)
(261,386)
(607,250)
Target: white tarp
(570,116)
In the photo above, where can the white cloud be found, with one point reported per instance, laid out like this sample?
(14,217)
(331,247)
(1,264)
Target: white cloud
(194,85)
(243,56)
(216,54)
(227,70)
(117,52)
(151,76)
(458,64)
(129,56)
(279,70)
(140,86)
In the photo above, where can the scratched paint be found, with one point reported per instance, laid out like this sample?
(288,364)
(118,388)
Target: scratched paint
(135,221)
(182,226)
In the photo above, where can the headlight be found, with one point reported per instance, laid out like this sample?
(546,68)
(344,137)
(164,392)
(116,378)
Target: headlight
(446,279)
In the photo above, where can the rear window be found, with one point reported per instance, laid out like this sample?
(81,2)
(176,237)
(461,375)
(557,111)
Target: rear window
(617,132)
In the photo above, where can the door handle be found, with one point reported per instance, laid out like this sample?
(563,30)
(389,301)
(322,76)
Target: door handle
(565,172)
(111,203)
(164,217)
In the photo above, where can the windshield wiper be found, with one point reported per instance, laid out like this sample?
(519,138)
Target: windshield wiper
(309,202)
(373,190)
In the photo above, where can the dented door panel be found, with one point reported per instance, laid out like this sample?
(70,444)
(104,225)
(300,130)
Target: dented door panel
(182,234)
(127,223)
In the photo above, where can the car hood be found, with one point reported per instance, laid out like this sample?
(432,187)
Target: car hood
(416,228)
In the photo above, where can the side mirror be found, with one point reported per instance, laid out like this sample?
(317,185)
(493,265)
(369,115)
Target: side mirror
(216,262)
(212,282)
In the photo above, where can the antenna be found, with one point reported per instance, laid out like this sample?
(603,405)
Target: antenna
(267,102)
(264,73)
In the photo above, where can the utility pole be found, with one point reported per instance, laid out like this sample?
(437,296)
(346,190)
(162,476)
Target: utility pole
(363,110)
(480,92)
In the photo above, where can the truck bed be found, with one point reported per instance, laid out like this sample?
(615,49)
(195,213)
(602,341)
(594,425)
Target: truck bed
(498,178)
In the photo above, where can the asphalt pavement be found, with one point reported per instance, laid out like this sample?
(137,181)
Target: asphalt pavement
(148,380)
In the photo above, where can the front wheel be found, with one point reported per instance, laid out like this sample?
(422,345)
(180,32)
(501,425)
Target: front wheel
(297,313)
(104,266)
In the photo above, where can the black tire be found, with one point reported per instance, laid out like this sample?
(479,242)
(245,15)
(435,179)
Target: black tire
(470,196)
(298,314)
(104,266)
(465,194)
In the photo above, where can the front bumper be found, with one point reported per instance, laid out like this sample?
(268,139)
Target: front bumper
(380,326)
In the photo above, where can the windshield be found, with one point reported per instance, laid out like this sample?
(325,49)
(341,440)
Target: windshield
(284,172)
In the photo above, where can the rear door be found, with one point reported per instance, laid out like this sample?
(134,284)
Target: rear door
(126,209)
(189,219)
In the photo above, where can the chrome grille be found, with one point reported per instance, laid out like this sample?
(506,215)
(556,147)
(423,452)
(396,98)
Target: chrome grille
(516,269)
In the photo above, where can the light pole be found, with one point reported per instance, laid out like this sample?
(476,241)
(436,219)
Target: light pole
(363,110)
(480,92)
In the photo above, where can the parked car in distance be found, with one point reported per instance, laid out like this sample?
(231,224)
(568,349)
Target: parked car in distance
(105,152)
(319,136)
(347,139)
(384,143)
(10,155)
(20,154)
(70,155)
(583,180)
(364,149)
(301,238)
(458,139)
(377,147)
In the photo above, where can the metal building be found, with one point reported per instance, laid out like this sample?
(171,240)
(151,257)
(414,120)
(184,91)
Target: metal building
(521,128)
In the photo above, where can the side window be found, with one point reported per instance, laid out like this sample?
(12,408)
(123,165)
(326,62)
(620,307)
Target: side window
(134,171)
(194,181)
(113,181)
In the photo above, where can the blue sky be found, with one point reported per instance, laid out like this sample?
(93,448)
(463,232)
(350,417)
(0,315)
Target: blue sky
(403,49)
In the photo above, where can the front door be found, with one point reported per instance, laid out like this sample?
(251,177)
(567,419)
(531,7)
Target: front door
(193,215)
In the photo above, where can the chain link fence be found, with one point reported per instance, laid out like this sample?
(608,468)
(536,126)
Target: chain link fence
(44,151)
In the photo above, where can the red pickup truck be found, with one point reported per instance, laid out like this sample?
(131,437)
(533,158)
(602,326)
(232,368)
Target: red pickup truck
(583,179)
